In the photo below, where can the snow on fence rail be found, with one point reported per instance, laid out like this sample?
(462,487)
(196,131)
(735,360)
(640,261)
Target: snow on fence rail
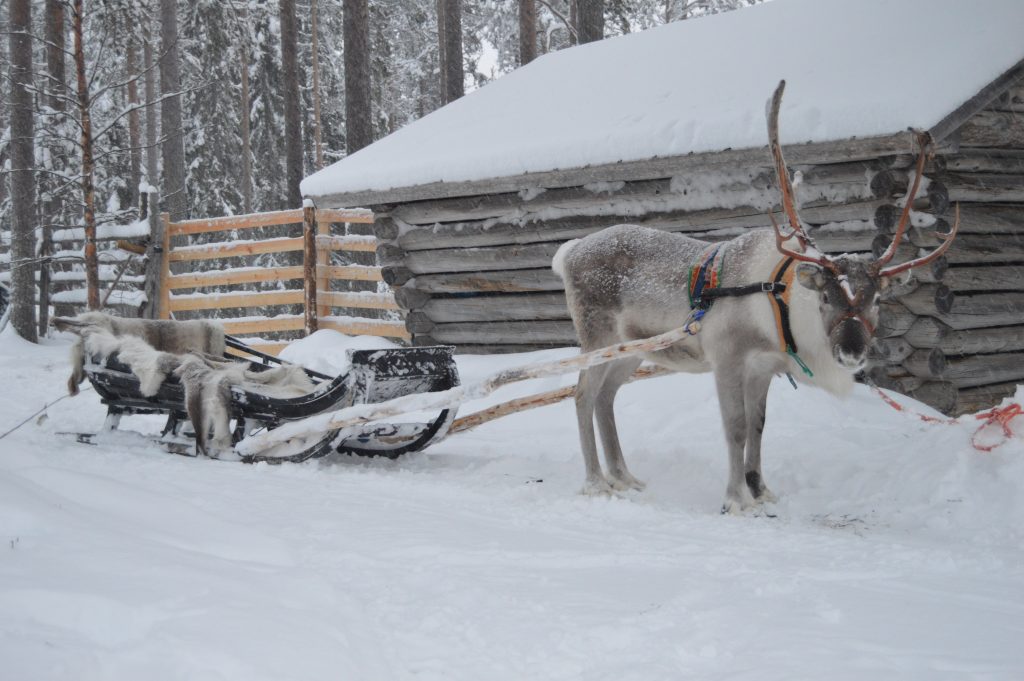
(120,276)
(316,273)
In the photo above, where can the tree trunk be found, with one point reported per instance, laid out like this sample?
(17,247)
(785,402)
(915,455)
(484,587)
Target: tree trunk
(527,31)
(574,21)
(154,251)
(152,160)
(358,118)
(23,186)
(449,37)
(92,279)
(173,146)
(134,127)
(53,208)
(589,20)
(318,138)
(246,108)
(155,255)
(292,117)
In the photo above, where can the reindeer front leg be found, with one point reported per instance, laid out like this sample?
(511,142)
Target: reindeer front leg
(755,397)
(730,384)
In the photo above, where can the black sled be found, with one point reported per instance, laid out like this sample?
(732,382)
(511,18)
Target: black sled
(374,376)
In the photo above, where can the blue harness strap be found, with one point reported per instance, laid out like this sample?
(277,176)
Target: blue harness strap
(704,276)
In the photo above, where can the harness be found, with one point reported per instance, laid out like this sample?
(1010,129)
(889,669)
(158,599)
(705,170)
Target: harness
(704,289)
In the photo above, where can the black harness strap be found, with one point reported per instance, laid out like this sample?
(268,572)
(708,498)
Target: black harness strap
(776,288)
(704,292)
(749,289)
(782,305)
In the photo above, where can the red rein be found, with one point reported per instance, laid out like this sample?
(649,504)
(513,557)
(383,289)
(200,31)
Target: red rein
(1000,415)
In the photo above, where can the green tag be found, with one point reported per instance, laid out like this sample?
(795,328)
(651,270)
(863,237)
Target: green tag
(799,361)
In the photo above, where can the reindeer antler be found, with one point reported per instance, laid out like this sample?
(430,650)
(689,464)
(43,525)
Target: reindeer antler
(925,259)
(797,230)
(924,143)
(786,189)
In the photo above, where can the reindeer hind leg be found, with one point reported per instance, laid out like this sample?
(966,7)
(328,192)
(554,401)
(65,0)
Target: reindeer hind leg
(616,374)
(587,388)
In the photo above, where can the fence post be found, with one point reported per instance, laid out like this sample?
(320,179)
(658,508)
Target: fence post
(309,261)
(323,257)
(165,269)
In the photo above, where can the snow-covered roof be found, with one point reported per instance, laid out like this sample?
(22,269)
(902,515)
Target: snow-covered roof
(854,69)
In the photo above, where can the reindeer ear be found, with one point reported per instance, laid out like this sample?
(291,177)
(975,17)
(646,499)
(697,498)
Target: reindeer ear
(810,276)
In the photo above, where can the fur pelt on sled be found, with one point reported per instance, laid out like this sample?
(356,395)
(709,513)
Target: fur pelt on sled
(208,394)
(206,378)
(159,334)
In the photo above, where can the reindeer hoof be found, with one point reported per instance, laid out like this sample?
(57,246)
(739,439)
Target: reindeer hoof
(625,482)
(738,504)
(598,487)
(758,490)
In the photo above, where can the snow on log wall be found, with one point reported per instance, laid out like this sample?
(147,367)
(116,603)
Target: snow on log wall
(475,271)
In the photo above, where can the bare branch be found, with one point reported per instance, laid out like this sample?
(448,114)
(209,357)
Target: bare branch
(561,17)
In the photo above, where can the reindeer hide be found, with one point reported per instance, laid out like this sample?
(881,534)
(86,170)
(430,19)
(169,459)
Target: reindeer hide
(207,381)
(164,335)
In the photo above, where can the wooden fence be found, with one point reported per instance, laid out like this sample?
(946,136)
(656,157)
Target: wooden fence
(312,237)
(120,271)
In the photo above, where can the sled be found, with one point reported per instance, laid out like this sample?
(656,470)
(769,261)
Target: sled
(374,376)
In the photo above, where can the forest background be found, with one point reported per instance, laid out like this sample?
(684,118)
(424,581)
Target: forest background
(223,106)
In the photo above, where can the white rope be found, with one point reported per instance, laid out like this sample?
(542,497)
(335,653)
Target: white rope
(40,411)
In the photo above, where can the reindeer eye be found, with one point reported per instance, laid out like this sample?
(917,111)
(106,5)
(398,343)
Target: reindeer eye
(824,297)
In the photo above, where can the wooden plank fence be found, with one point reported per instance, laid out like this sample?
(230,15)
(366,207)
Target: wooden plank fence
(182,287)
(120,270)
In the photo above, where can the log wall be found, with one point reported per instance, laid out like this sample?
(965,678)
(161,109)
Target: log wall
(476,271)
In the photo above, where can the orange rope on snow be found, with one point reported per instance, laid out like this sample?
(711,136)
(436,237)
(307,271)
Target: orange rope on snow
(899,407)
(1000,415)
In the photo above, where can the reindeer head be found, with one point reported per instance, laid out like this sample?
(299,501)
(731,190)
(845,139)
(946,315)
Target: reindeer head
(849,287)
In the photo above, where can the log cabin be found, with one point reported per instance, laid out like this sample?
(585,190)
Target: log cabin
(666,128)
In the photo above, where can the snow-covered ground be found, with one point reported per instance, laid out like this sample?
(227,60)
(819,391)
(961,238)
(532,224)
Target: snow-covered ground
(896,552)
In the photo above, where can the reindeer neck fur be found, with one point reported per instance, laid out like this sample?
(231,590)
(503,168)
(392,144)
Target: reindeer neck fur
(752,258)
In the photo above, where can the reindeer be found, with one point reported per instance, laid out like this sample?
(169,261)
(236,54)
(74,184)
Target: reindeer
(629,282)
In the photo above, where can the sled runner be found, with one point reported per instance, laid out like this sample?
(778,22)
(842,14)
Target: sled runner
(374,376)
